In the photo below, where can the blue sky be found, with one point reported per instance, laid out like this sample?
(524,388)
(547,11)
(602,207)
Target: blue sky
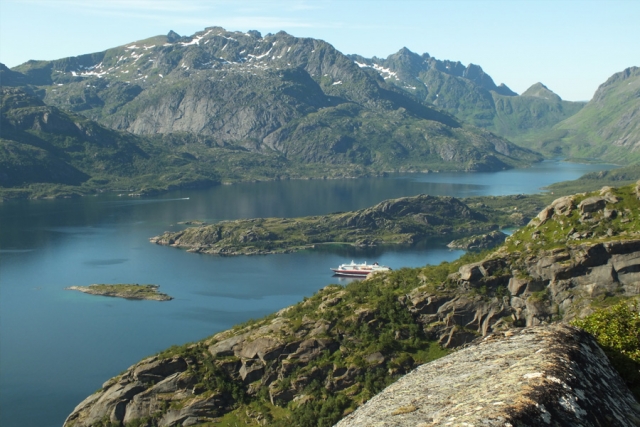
(572,46)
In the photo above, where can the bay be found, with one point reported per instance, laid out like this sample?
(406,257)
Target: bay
(58,346)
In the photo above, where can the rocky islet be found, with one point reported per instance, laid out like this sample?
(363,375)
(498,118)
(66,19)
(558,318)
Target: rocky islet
(126,291)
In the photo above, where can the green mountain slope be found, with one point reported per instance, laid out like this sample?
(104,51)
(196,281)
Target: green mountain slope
(43,144)
(471,95)
(296,98)
(608,127)
(538,109)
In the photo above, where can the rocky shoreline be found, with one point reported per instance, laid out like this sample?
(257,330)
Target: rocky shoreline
(126,291)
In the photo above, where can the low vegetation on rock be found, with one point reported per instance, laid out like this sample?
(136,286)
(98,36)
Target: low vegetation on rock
(617,330)
(482,241)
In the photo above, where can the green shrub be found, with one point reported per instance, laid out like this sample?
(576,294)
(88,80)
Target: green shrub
(617,330)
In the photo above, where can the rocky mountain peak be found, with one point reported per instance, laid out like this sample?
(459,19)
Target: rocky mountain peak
(503,89)
(172,37)
(541,91)
(630,75)
(476,74)
(405,62)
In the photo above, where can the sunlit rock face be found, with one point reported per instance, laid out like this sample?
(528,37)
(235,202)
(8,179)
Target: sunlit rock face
(542,376)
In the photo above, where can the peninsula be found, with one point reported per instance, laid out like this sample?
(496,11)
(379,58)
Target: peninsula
(127,291)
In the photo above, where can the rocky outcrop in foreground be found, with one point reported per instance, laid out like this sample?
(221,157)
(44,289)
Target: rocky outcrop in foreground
(542,376)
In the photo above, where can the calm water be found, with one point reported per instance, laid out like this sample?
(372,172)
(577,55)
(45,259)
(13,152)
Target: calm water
(57,346)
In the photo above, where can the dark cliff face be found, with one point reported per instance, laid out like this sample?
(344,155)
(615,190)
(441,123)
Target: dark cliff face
(340,347)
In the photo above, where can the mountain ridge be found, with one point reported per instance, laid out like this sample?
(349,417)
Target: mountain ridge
(470,94)
(277,99)
(608,127)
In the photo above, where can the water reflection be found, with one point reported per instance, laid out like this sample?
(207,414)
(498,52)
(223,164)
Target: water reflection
(99,262)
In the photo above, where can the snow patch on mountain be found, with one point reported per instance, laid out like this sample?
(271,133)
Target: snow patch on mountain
(380,69)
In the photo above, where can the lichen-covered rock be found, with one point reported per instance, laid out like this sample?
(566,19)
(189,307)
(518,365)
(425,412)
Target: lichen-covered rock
(542,376)
(561,206)
(133,393)
(592,204)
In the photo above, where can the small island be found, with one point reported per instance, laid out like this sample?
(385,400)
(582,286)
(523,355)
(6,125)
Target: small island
(127,291)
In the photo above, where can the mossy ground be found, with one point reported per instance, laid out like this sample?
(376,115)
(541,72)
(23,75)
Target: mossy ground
(561,230)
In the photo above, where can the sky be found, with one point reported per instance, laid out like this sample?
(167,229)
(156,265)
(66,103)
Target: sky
(572,46)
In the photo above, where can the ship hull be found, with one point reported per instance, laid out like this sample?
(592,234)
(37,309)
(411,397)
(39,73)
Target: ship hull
(358,270)
(350,273)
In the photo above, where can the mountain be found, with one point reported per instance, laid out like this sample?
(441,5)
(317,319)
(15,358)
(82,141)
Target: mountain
(539,90)
(9,77)
(296,99)
(471,95)
(608,127)
(42,144)
(47,151)
(313,363)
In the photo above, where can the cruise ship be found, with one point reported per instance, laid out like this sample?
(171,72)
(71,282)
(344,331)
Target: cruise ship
(359,270)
